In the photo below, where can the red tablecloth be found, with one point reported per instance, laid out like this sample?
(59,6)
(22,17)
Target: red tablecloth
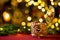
(29,37)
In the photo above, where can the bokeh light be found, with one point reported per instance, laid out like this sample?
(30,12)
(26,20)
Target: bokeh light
(31,2)
(51,0)
(1,29)
(39,7)
(58,3)
(52,3)
(52,26)
(29,30)
(58,20)
(19,1)
(6,16)
(27,0)
(29,18)
(43,9)
(26,11)
(40,20)
(56,24)
(23,23)
(28,24)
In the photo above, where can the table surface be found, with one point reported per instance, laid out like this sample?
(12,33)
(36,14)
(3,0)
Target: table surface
(29,37)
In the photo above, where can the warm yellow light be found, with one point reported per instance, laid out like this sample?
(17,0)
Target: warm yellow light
(58,20)
(43,9)
(23,23)
(53,10)
(28,29)
(39,1)
(39,7)
(42,4)
(14,2)
(45,16)
(27,11)
(19,1)
(24,27)
(18,30)
(27,0)
(29,18)
(51,0)
(49,24)
(49,12)
(46,8)
(27,5)
(58,3)
(35,3)
(56,24)
(28,24)
(57,28)
(52,26)
(55,20)
(6,16)
(52,3)
(40,20)
(1,29)
(31,2)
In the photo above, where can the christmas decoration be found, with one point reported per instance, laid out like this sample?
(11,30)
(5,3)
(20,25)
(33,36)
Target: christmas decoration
(6,17)
(36,17)
(43,29)
(39,29)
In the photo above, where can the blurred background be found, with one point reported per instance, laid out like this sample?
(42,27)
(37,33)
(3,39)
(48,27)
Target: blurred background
(23,12)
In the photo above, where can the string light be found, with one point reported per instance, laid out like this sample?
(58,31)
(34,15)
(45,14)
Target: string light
(52,26)
(28,29)
(29,18)
(52,3)
(24,27)
(14,2)
(28,24)
(35,3)
(42,4)
(1,29)
(19,1)
(45,16)
(58,20)
(39,7)
(31,2)
(23,23)
(18,30)
(39,1)
(40,20)
(55,20)
(27,0)
(6,16)
(27,11)
(57,28)
(27,5)
(51,0)
(58,3)
(43,9)
(56,24)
